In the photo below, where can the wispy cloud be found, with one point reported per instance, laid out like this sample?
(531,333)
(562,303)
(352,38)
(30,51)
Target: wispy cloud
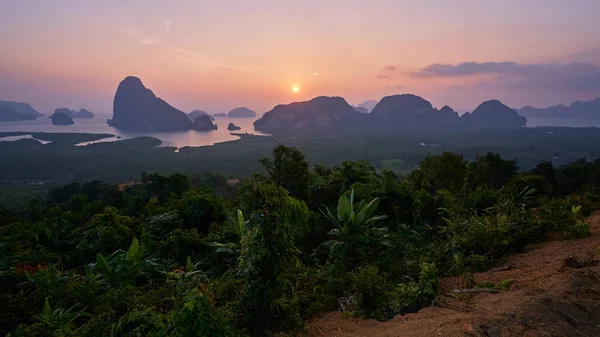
(135,33)
(476,68)
(315,74)
(387,72)
(193,56)
(152,41)
(398,86)
(514,75)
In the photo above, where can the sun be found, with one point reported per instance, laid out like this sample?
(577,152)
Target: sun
(295,89)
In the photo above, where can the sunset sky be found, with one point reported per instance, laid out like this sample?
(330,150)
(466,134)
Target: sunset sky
(219,54)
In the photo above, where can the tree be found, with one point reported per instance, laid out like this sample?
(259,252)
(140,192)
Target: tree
(163,186)
(267,258)
(491,170)
(289,169)
(445,171)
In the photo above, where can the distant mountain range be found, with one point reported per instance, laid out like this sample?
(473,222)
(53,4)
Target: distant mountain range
(401,112)
(368,105)
(578,109)
(137,108)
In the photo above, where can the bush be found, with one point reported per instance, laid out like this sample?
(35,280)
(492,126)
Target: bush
(199,318)
(373,292)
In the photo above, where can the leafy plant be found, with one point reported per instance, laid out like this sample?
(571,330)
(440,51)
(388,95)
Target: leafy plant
(59,318)
(351,224)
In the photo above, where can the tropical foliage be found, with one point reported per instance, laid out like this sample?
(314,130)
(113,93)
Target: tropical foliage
(170,256)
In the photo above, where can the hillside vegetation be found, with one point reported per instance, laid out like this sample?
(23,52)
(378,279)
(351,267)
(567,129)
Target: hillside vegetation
(189,256)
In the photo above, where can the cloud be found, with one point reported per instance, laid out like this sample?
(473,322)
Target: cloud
(151,41)
(386,73)
(192,56)
(168,25)
(315,74)
(398,86)
(513,75)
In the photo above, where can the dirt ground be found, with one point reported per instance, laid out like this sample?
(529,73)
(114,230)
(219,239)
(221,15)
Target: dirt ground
(555,291)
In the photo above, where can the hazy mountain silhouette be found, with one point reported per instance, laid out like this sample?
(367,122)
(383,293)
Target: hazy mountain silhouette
(400,107)
(369,105)
(82,113)
(319,112)
(10,114)
(61,118)
(197,113)
(493,114)
(406,112)
(136,108)
(220,114)
(20,107)
(361,109)
(65,111)
(578,109)
(241,112)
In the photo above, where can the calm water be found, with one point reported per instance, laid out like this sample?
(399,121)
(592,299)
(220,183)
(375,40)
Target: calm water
(98,125)
(571,122)
(200,138)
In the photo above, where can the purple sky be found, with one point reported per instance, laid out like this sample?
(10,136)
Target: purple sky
(217,55)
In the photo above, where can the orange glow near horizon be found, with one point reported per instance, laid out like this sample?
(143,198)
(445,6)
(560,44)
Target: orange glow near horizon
(215,56)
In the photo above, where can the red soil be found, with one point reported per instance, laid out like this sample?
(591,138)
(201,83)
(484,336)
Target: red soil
(555,291)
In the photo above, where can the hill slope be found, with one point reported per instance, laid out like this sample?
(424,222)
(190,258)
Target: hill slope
(555,291)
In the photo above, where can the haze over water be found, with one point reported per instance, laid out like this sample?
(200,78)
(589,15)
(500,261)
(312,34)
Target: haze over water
(176,139)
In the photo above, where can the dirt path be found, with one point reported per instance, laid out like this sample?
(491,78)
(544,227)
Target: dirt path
(555,292)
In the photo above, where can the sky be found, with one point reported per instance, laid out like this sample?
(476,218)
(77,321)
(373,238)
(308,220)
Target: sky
(216,55)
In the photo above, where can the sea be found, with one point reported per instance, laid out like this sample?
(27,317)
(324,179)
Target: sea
(567,122)
(98,125)
(201,138)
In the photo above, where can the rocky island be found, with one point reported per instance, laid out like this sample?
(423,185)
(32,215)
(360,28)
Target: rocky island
(204,123)
(405,112)
(82,113)
(20,107)
(319,112)
(241,113)
(197,113)
(233,127)
(136,108)
(493,114)
(10,114)
(60,118)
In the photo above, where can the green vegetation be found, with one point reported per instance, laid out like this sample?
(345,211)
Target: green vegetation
(173,255)
(122,161)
